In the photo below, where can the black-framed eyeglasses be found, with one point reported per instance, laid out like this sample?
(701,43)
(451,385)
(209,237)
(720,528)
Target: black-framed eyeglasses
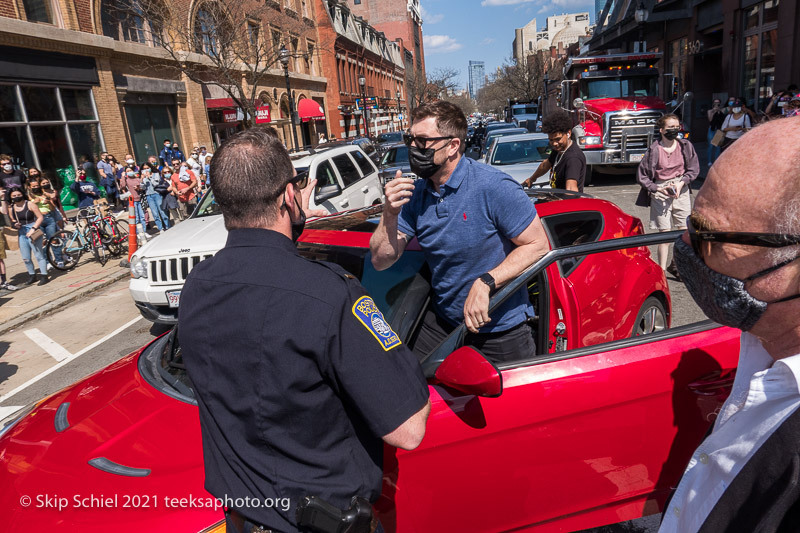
(768,240)
(422,142)
(300,180)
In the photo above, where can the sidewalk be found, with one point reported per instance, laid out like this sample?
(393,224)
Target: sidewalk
(29,302)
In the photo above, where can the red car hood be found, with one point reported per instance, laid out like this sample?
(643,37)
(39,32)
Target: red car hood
(116,415)
(604,105)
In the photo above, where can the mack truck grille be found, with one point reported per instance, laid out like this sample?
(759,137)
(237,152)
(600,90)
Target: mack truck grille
(636,127)
(174,269)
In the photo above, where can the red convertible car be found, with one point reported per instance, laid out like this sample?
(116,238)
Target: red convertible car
(594,429)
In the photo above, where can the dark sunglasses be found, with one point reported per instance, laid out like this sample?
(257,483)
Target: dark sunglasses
(768,240)
(422,142)
(300,181)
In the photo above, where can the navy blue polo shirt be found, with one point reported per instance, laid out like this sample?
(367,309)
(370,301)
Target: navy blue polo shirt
(297,376)
(466,230)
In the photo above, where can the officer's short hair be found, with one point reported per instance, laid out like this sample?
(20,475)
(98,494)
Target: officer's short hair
(251,170)
(450,120)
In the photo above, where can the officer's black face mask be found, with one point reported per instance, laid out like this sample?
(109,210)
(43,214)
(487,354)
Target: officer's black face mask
(297,225)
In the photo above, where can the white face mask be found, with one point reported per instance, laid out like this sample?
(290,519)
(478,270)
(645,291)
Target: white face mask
(131,174)
(130,161)
(8,167)
(737,109)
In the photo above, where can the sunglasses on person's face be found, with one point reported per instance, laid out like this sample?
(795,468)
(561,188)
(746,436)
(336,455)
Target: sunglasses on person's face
(300,181)
(768,240)
(422,142)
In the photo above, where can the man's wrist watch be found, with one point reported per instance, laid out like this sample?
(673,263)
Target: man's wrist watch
(488,280)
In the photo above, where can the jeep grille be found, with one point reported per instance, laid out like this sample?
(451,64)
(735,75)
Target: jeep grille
(174,269)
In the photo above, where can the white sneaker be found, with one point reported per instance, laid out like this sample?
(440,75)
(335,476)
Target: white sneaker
(7,287)
(60,264)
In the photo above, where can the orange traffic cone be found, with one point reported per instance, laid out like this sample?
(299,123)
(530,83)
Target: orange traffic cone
(133,244)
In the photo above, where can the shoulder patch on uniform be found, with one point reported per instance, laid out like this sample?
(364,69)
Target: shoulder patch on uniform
(371,317)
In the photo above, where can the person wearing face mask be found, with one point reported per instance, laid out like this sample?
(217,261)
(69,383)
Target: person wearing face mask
(48,209)
(86,191)
(735,124)
(302,332)
(477,229)
(740,260)
(108,179)
(184,183)
(27,219)
(166,153)
(55,198)
(150,179)
(4,284)
(665,174)
(177,154)
(9,176)
(715,117)
(566,163)
(132,182)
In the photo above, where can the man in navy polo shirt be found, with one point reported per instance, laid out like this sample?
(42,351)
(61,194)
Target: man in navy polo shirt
(477,228)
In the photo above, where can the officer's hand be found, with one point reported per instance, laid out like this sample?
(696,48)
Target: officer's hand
(476,308)
(305,199)
(398,193)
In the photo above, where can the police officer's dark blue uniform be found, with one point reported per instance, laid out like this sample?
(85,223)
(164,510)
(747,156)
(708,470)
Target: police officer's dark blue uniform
(297,376)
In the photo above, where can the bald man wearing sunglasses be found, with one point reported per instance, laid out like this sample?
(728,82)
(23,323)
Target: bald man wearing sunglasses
(740,261)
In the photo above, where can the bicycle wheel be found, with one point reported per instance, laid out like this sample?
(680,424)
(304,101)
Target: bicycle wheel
(98,248)
(70,248)
(121,231)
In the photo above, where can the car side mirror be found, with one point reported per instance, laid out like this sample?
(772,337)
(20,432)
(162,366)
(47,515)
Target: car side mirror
(326,193)
(468,371)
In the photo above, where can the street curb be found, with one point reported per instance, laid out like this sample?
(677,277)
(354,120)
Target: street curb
(55,304)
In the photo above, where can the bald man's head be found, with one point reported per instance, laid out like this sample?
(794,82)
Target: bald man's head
(755,181)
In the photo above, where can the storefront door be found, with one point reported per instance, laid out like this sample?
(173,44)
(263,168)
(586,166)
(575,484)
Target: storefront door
(149,125)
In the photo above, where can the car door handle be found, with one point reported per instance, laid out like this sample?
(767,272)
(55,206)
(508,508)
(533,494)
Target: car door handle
(365,190)
(344,203)
(713,383)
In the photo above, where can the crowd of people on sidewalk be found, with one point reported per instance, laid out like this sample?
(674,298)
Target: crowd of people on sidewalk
(165,190)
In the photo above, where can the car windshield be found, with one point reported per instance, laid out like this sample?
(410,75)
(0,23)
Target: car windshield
(393,137)
(395,156)
(527,110)
(388,289)
(208,206)
(516,152)
(639,86)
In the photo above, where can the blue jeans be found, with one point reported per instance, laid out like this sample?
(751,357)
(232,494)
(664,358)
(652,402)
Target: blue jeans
(50,228)
(140,218)
(25,248)
(161,218)
(713,151)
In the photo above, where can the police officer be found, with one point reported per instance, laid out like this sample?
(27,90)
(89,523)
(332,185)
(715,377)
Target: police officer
(299,379)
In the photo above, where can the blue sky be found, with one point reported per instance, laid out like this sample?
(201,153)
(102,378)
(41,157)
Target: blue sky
(457,31)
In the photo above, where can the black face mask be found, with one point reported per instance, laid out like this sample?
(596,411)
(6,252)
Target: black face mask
(17,199)
(297,225)
(46,187)
(421,161)
(723,299)
(36,190)
(671,134)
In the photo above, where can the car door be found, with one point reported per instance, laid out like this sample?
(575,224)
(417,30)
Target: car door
(328,182)
(353,196)
(370,186)
(577,439)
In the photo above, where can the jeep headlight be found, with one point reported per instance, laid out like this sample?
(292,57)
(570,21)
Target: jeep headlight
(138,268)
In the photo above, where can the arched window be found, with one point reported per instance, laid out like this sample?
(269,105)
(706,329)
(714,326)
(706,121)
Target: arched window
(135,21)
(206,30)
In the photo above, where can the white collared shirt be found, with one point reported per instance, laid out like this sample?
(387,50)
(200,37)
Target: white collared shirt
(765,393)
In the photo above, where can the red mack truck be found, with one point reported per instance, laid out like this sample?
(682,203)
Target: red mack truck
(615,101)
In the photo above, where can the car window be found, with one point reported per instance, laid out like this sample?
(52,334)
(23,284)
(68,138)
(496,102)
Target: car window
(363,162)
(347,170)
(573,228)
(516,152)
(366,146)
(325,175)
(208,206)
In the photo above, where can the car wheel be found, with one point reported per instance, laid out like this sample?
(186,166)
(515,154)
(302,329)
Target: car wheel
(652,318)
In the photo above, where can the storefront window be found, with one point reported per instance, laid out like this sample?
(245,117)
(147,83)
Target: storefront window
(679,56)
(760,40)
(77,104)
(51,145)
(9,106)
(85,140)
(14,142)
(41,103)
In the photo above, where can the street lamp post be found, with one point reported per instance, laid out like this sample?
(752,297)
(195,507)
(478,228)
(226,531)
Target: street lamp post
(641,15)
(399,110)
(283,55)
(362,81)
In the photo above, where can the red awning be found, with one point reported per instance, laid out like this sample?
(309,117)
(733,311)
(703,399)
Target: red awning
(216,103)
(309,109)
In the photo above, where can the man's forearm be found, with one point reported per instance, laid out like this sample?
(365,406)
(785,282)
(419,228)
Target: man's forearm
(385,243)
(518,260)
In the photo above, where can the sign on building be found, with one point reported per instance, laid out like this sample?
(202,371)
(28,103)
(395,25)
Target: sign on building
(262,115)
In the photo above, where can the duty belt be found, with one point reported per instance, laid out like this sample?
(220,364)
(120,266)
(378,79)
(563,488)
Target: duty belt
(238,521)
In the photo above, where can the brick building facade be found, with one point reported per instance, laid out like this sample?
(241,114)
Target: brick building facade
(360,50)
(77,81)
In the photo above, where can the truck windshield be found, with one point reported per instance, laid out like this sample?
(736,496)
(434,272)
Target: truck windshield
(527,110)
(619,87)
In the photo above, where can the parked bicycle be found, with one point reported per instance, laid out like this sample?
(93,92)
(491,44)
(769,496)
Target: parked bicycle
(102,235)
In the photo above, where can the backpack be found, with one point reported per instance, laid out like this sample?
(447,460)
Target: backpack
(162,187)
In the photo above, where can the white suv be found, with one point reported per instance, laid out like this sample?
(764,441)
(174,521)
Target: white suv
(346,179)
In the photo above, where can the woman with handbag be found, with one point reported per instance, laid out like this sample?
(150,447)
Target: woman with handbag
(715,135)
(27,218)
(150,179)
(666,173)
(55,198)
(735,124)
(47,208)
